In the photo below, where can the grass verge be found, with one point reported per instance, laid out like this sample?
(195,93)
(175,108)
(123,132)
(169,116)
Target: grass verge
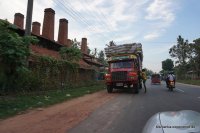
(192,82)
(12,105)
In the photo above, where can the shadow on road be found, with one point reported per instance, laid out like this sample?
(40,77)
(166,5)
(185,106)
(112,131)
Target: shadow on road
(124,91)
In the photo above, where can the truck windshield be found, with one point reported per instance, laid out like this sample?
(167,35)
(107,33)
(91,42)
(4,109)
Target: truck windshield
(127,64)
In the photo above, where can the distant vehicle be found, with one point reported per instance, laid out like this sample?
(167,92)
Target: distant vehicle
(155,79)
(148,77)
(125,62)
(184,121)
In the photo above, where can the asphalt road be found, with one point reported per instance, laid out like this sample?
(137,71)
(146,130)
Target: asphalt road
(128,113)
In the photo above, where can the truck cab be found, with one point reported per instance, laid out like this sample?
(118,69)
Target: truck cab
(123,73)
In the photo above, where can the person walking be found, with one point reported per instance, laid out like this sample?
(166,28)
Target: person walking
(144,78)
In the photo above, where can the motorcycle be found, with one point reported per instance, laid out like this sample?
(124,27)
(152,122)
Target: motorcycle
(171,85)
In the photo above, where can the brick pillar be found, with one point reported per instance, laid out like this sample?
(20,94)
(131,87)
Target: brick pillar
(69,43)
(48,24)
(19,20)
(84,45)
(36,28)
(63,32)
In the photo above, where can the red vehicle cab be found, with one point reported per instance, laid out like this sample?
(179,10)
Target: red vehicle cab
(123,73)
(155,79)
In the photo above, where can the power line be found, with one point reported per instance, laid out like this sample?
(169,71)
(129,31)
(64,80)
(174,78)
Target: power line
(105,18)
(75,15)
(160,42)
(71,7)
(107,21)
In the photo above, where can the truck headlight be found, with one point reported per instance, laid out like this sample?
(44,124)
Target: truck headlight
(108,77)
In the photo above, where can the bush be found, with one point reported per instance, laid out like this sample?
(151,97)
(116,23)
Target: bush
(14,52)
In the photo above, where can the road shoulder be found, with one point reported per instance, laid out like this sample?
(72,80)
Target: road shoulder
(57,118)
(189,85)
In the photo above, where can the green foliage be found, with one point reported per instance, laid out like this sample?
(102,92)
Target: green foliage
(70,54)
(195,56)
(41,73)
(188,55)
(101,58)
(10,106)
(75,44)
(180,51)
(14,52)
(49,61)
(167,65)
(53,73)
(88,51)
(197,47)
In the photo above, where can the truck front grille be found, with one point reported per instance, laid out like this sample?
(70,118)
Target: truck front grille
(116,76)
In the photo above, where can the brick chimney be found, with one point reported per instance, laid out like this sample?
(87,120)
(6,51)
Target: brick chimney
(36,28)
(48,24)
(19,20)
(63,31)
(69,43)
(84,45)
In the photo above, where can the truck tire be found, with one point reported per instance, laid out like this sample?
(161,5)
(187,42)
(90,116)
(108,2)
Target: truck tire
(109,89)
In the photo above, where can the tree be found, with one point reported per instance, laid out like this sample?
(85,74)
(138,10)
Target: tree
(101,58)
(70,54)
(73,53)
(195,56)
(75,44)
(167,65)
(180,51)
(197,47)
(88,51)
(14,53)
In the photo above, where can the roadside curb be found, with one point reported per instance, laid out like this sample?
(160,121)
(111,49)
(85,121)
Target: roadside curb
(189,84)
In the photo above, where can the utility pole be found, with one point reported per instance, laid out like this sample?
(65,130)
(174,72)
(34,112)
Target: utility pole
(29,18)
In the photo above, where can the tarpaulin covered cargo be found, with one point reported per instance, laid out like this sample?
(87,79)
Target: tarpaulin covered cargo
(124,49)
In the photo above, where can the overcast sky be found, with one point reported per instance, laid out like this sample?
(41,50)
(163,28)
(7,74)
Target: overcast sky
(154,23)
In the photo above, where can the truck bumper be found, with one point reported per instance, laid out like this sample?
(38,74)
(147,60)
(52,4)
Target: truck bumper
(122,83)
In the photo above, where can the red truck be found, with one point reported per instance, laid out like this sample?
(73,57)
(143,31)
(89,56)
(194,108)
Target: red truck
(125,64)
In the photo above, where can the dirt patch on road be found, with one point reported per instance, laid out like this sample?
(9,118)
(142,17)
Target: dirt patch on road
(58,118)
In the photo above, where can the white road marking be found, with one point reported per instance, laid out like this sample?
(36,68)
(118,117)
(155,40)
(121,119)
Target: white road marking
(179,90)
(189,85)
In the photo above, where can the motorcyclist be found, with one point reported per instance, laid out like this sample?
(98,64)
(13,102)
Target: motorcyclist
(170,77)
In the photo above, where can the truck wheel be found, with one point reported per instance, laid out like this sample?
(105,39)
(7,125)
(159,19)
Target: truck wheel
(109,89)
